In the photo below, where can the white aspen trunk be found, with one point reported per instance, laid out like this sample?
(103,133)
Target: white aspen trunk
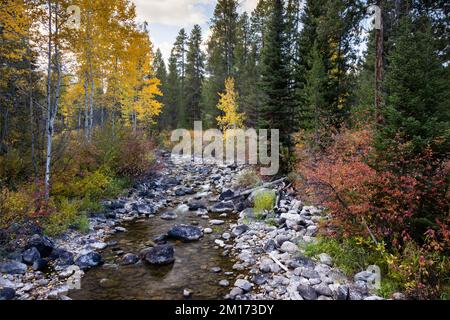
(53,110)
(49,104)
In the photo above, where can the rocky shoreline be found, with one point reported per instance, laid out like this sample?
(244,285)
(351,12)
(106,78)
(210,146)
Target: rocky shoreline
(268,261)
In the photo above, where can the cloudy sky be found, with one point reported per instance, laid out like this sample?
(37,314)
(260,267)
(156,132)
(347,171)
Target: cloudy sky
(167,17)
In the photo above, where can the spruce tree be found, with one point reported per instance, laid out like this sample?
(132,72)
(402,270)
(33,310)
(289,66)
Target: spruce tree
(221,60)
(195,72)
(170,111)
(159,67)
(276,110)
(180,50)
(417,87)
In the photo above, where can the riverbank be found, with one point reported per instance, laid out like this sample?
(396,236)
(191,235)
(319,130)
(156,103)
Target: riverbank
(186,232)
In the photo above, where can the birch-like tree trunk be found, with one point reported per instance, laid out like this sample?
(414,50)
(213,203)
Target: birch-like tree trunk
(52,108)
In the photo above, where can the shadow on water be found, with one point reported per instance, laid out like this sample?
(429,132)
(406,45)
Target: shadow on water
(191,270)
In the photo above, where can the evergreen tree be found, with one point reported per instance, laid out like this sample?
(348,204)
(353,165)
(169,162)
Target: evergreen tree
(275,74)
(195,72)
(180,51)
(221,48)
(246,70)
(170,111)
(159,67)
(417,86)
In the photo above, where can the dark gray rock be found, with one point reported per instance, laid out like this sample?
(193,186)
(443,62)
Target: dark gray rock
(185,233)
(170,182)
(323,290)
(270,246)
(243,284)
(239,230)
(227,195)
(160,255)
(13,267)
(7,294)
(301,261)
(195,205)
(259,279)
(364,276)
(42,243)
(180,192)
(129,258)
(31,255)
(114,205)
(144,209)
(40,264)
(89,260)
(307,292)
(223,207)
(342,293)
(162,239)
(309,273)
(62,257)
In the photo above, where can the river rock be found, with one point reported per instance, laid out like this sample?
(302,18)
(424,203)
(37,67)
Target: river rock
(270,246)
(289,247)
(185,233)
(7,294)
(31,255)
(223,207)
(224,283)
(323,290)
(63,257)
(235,292)
(326,259)
(160,255)
(13,267)
(226,195)
(239,230)
(307,292)
(207,231)
(169,215)
(243,284)
(42,243)
(216,270)
(88,260)
(39,264)
(144,209)
(216,222)
(195,205)
(226,236)
(364,276)
(129,258)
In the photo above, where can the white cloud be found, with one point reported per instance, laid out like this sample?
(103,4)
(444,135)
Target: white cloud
(248,5)
(172,12)
(166,48)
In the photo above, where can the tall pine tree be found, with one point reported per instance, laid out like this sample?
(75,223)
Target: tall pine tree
(195,73)
(276,110)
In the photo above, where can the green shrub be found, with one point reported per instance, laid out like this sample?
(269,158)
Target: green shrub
(264,201)
(83,223)
(348,255)
(66,215)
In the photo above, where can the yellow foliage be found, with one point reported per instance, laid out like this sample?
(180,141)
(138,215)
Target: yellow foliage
(14,206)
(231,118)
